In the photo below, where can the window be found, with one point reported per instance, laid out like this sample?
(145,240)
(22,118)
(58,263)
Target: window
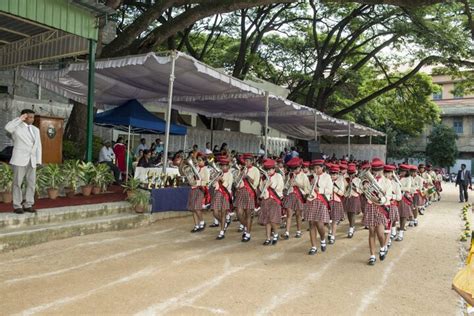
(458,92)
(438,95)
(457,126)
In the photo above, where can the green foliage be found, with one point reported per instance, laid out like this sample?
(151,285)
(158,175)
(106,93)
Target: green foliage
(441,148)
(54,176)
(102,176)
(72,172)
(131,185)
(6,177)
(140,197)
(71,150)
(41,180)
(87,172)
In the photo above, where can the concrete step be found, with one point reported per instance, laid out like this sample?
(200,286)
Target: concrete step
(62,214)
(14,238)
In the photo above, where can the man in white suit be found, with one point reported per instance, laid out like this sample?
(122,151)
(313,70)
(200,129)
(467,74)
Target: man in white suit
(26,156)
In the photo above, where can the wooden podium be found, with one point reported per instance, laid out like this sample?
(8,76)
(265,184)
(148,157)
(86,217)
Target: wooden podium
(51,131)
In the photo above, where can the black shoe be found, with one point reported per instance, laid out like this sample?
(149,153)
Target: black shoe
(285,236)
(312,251)
(29,210)
(298,235)
(267,242)
(195,229)
(323,247)
(382,255)
(372,261)
(220,237)
(18,211)
(275,240)
(214,225)
(245,239)
(201,228)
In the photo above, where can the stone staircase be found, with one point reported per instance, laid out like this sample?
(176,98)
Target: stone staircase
(22,230)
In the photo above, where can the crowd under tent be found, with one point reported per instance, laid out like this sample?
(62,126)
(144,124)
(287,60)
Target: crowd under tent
(184,83)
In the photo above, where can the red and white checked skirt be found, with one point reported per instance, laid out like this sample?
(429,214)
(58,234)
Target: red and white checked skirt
(405,210)
(363,203)
(243,200)
(337,211)
(438,187)
(353,204)
(316,211)
(292,202)
(418,200)
(373,216)
(270,212)
(219,202)
(394,214)
(195,199)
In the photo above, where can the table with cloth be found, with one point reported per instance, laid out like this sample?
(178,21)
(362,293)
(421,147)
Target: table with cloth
(141,173)
(170,199)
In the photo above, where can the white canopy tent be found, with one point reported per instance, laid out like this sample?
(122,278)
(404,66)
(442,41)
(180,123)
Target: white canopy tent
(187,84)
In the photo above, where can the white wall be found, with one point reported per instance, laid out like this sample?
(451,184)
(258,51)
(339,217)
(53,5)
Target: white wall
(359,151)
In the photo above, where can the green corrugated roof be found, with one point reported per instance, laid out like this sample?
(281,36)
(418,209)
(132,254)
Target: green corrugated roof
(78,17)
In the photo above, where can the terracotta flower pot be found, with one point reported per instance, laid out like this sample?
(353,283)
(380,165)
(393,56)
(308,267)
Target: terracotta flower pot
(139,209)
(96,190)
(69,192)
(7,197)
(130,194)
(86,190)
(53,193)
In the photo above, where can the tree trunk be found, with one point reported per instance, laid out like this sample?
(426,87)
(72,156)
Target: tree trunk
(76,127)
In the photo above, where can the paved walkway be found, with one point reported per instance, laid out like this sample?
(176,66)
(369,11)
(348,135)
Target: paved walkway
(164,269)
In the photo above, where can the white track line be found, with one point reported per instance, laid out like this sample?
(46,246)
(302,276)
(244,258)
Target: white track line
(63,301)
(302,286)
(371,296)
(80,266)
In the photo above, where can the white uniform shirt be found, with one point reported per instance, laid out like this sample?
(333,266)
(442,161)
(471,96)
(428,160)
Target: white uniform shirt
(396,191)
(106,154)
(227,179)
(276,183)
(406,184)
(324,185)
(253,174)
(204,175)
(338,188)
(302,181)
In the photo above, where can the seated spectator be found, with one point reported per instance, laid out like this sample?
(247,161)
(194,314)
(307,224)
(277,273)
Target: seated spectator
(107,156)
(145,160)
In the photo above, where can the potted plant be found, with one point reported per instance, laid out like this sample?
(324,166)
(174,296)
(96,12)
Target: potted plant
(71,170)
(131,186)
(102,178)
(6,182)
(41,182)
(86,174)
(54,178)
(140,200)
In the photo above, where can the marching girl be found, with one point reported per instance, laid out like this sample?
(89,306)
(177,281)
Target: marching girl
(363,199)
(396,196)
(222,200)
(294,200)
(439,180)
(428,187)
(336,214)
(199,194)
(416,190)
(280,168)
(270,206)
(352,200)
(405,205)
(305,168)
(246,195)
(375,216)
(316,208)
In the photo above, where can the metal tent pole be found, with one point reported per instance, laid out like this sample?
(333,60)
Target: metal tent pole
(168,113)
(267,109)
(315,126)
(349,140)
(128,156)
(90,99)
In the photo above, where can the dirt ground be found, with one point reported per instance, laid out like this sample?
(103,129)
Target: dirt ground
(164,269)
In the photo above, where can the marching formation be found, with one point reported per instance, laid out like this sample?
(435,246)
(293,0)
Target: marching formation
(320,192)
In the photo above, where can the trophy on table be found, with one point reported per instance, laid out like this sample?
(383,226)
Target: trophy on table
(163,180)
(150,177)
(175,181)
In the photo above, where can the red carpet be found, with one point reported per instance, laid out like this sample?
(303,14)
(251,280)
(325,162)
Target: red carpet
(114,194)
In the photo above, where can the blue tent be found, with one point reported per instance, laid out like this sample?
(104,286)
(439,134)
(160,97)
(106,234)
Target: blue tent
(132,116)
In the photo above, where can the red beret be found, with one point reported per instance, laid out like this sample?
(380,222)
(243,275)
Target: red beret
(413,167)
(247,156)
(223,161)
(365,166)
(421,165)
(317,162)
(351,168)
(200,155)
(389,168)
(343,166)
(279,160)
(377,163)
(294,162)
(404,167)
(306,164)
(334,169)
(269,163)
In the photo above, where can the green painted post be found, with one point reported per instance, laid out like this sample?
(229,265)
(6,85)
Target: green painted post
(90,99)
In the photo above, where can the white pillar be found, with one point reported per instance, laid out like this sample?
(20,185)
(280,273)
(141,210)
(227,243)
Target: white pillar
(267,110)
(168,113)
(349,140)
